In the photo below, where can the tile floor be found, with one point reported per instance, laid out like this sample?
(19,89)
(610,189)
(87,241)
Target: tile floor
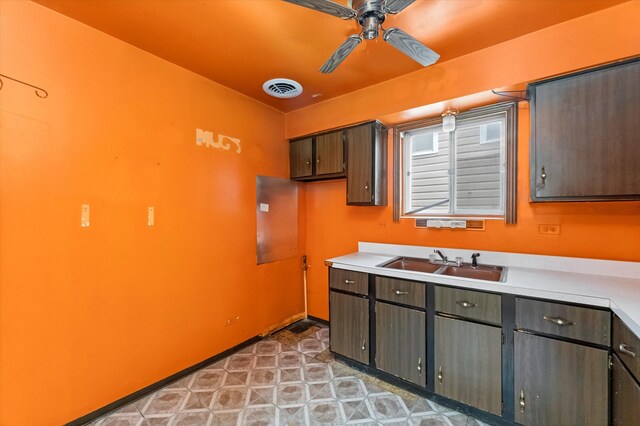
(285,379)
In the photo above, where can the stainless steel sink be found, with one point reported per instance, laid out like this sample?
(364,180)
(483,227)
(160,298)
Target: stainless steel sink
(412,264)
(480,272)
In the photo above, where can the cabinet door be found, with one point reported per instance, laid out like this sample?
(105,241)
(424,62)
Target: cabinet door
(300,152)
(349,331)
(468,363)
(330,153)
(626,396)
(627,345)
(360,164)
(585,133)
(400,342)
(559,383)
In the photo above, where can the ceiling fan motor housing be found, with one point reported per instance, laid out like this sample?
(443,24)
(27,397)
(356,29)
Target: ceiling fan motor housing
(370,16)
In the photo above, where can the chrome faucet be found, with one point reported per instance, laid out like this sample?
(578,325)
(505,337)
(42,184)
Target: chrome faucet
(442,256)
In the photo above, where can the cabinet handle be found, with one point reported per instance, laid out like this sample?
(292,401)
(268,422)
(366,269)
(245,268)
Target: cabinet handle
(366,186)
(308,161)
(400,293)
(558,321)
(543,176)
(364,344)
(466,304)
(440,374)
(349,282)
(420,366)
(625,349)
(318,160)
(522,402)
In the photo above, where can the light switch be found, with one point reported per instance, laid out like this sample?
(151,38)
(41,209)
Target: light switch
(264,207)
(151,216)
(84,221)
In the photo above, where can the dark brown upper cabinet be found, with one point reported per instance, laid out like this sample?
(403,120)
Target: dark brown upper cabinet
(585,135)
(367,165)
(300,158)
(317,157)
(358,153)
(330,153)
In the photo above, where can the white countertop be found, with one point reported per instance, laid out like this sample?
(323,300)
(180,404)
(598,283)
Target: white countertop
(611,284)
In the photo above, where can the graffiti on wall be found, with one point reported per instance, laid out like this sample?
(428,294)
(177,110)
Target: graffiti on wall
(224,142)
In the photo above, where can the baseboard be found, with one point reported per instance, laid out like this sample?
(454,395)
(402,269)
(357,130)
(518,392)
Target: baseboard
(116,405)
(316,319)
(283,324)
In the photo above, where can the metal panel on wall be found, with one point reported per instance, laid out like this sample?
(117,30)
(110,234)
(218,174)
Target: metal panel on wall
(277,219)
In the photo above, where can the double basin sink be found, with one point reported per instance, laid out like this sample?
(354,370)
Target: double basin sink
(480,272)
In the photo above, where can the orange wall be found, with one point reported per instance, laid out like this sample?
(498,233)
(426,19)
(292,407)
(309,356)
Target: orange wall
(593,230)
(88,316)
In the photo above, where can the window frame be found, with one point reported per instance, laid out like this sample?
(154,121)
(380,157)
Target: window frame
(508,158)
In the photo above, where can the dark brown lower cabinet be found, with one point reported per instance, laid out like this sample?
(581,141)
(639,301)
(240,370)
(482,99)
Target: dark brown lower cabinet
(349,333)
(401,342)
(559,383)
(626,396)
(468,363)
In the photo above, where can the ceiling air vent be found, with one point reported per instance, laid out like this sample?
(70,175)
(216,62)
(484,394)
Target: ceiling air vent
(282,88)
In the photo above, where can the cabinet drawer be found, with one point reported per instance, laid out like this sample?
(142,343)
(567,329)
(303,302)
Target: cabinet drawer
(627,346)
(406,292)
(355,282)
(469,304)
(573,322)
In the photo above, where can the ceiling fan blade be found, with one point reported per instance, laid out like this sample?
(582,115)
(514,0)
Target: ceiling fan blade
(395,6)
(343,51)
(326,6)
(410,46)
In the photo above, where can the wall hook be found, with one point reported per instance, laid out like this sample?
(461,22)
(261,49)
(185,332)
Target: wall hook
(40,92)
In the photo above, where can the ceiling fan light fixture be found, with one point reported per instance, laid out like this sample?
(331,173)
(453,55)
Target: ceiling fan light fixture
(282,88)
(370,27)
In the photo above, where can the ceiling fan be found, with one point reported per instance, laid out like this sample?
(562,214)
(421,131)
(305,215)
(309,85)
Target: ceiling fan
(370,14)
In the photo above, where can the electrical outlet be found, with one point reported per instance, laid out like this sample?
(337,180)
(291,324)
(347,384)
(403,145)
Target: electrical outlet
(547,229)
(382,225)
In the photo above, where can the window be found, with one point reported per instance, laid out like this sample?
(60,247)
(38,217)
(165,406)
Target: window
(424,142)
(469,172)
(491,132)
